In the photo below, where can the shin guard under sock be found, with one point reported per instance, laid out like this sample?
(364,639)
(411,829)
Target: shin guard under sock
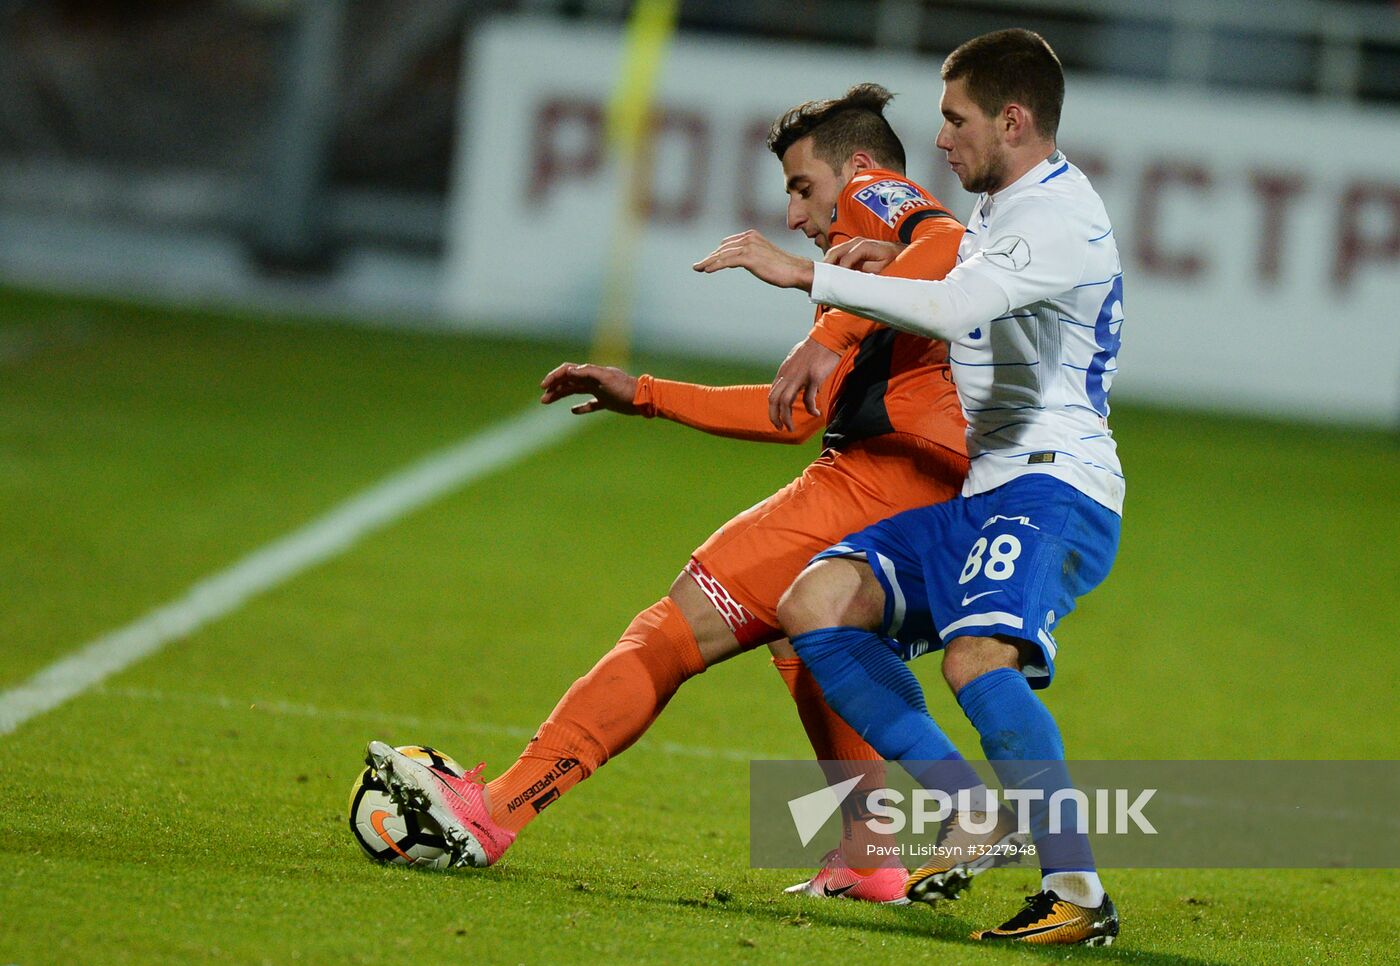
(601,715)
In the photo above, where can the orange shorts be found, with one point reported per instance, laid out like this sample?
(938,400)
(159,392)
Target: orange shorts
(748,563)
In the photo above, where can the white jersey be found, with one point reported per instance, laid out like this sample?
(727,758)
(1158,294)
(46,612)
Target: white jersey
(1033,314)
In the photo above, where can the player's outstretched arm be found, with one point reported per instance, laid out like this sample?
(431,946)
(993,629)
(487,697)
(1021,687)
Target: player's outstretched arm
(736,412)
(1039,253)
(611,388)
(750,250)
(947,309)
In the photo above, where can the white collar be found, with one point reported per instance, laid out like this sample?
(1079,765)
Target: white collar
(1036,175)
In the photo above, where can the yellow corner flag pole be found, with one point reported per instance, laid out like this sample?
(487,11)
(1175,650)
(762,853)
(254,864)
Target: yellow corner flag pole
(649,32)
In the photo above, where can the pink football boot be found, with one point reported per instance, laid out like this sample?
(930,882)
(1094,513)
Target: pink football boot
(457,805)
(837,880)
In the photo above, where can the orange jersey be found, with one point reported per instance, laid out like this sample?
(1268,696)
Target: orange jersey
(887,381)
(892,381)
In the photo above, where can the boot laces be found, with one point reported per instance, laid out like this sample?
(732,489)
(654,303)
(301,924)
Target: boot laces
(1038,906)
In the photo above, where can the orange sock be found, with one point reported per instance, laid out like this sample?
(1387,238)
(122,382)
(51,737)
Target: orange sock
(604,712)
(844,754)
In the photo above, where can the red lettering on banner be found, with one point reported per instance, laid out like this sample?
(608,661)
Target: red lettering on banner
(1275,190)
(1357,242)
(684,204)
(1156,178)
(567,144)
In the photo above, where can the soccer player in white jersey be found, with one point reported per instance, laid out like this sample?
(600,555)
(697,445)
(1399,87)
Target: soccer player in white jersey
(1033,313)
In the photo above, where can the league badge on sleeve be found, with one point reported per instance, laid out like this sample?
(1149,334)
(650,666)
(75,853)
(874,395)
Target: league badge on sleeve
(890,200)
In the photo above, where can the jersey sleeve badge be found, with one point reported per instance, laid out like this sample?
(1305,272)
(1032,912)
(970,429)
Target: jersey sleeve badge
(891,200)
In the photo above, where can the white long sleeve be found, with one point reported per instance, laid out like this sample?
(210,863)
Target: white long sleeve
(949,309)
(1034,253)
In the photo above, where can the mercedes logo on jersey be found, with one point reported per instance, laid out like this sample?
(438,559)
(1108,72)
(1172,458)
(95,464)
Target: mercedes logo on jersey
(1012,252)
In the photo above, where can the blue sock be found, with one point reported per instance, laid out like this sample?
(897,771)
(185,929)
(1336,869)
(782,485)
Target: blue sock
(867,684)
(1022,741)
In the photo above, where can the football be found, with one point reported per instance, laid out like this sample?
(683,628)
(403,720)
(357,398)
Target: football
(393,835)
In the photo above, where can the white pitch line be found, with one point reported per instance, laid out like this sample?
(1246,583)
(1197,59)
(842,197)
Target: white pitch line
(320,540)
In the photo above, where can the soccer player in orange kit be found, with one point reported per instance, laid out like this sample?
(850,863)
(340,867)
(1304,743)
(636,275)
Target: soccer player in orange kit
(894,440)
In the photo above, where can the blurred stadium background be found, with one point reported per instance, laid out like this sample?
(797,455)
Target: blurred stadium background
(256,255)
(412,161)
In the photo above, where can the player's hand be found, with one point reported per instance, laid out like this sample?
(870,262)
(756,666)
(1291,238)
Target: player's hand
(766,261)
(803,373)
(611,388)
(863,254)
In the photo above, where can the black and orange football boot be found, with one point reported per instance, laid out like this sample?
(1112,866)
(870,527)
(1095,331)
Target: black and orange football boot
(1047,919)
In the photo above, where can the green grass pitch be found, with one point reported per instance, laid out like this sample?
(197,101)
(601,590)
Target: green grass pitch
(192,807)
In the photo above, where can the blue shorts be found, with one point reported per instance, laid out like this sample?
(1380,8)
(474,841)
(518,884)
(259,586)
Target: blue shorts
(1008,562)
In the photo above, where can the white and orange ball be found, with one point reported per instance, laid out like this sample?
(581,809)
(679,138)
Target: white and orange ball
(391,834)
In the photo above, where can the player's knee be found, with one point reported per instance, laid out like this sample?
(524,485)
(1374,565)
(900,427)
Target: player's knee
(967,658)
(832,593)
(713,635)
(661,639)
(798,610)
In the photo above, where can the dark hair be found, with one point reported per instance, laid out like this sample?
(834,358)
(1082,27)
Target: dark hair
(1011,67)
(842,126)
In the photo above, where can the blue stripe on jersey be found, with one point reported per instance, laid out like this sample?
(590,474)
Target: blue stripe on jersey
(1087,368)
(1095,436)
(991,432)
(1056,173)
(1014,315)
(1015,409)
(985,365)
(1104,282)
(1101,237)
(1085,325)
